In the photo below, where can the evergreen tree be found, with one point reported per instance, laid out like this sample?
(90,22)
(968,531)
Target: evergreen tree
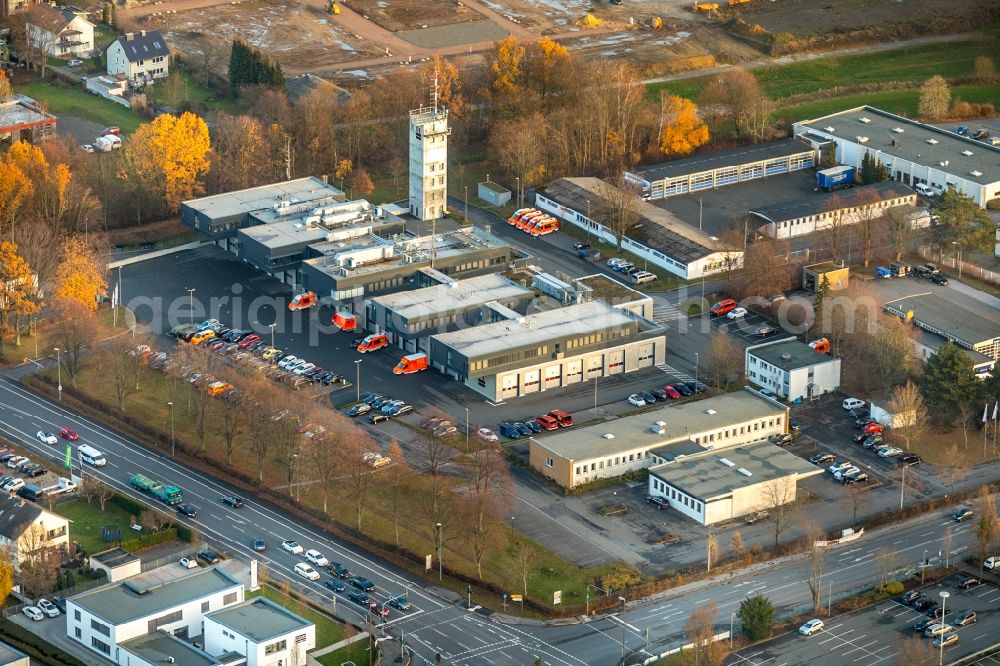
(962,222)
(949,384)
(249,67)
(757,617)
(872,170)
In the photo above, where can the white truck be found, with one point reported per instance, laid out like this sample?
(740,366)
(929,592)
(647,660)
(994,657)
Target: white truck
(106,144)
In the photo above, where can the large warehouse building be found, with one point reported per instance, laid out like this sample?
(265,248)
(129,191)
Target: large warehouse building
(582,455)
(668,242)
(914,153)
(547,350)
(843,207)
(963,320)
(706,172)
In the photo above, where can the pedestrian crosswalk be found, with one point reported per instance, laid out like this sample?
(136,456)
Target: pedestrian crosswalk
(674,372)
(666,312)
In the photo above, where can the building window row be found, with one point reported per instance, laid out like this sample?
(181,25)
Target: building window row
(677,496)
(278,646)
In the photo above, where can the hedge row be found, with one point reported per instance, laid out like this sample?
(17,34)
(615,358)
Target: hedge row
(148,540)
(126,503)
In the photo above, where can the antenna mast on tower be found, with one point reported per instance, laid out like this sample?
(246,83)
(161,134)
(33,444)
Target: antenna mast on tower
(434,94)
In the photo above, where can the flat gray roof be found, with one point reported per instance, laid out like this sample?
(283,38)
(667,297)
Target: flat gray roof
(961,318)
(799,355)
(724,158)
(682,423)
(115,557)
(611,290)
(452,296)
(259,619)
(540,327)
(913,143)
(9,654)
(285,233)
(152,593)
(160,647)
(707,476)
(22,110)
(834,201)
(264,197)
(663,230)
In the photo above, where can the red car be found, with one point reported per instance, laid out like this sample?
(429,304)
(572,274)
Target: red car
(565,419)
(672,392)
(111,130)
(249,340)
(68,433)
(873,428)
(723,307)
(377,609)
(547,422)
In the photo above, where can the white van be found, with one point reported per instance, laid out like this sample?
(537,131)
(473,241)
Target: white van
(924,190)
(642,277)
(91,456)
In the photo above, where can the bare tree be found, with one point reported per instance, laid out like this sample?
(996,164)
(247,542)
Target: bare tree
(322,455)
(854,498)
(986,523)
(435,455)
(490,495)
(39,562)
(778,499)
(738,545)
(397,479)
(868,220)
(619,209)
(900,229)
(817,563)
(700,630)
(521,559)
(231,422)
(357,478)
(909,414)
(75,331)
(738,91)
(120,364)
(723,358)
(885,560)
(711,550)
(102,493)
(153,520)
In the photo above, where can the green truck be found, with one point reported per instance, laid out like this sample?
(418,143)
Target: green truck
(165,493)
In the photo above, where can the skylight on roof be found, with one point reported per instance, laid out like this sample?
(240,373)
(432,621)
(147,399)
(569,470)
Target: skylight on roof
(898,130)
(830,128)
(967,153)
(865,120)
(932,141)
(975,174)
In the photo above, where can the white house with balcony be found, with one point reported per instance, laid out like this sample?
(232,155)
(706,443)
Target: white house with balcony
(28,529)
(60,31)
(140,57)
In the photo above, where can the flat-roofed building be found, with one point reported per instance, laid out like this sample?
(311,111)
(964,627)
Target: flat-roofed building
(667,241)
(604,288)
(548,350)
(12,657)
(159,647)
(716,486)
(961,319)
(913,152)
(410,317)
(842,207)
(713,170)
(792,369)
(579,456)
(116,563)
(263,631)
(383,265)
(221,216)
(21,119)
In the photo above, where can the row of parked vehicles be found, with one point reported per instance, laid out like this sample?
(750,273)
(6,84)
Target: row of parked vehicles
(673,391)
(553,420)
(533,222)
(379,407)
(870,436)
(635,274)
(361,587)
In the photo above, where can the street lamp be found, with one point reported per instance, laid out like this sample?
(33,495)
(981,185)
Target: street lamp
(466,429)
(357,378)
(958,257)
(440,568)
(732,624)
(59,373)
(173,443)
(295,474)
(944,605)
(622,618)
(191,295)
(272,327)
(512,527)
(466,204)
(595,396)
(590,231)
(696,359)
(923,567)
(518,191)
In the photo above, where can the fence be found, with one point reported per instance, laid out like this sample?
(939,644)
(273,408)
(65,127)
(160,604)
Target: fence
(79,588)
(972,270)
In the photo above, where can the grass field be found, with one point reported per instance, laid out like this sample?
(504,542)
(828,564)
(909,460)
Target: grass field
(87,521)
(66,101)
(914,64)
(328,630)
(902,102)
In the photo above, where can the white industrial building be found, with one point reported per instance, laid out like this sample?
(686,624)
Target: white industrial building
(717,486)
(792,369)
(429,162)
(262,631)
(914,153)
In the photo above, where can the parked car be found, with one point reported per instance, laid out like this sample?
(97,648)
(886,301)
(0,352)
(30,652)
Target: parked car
(852,403)
(208,556)
(534,426)
(854,477)
(521,428)
(486,435)
(736,313)
(649,397)
(811,627)
(920,626)
(756,517)
(822,458)
(74,62)
(889,452)
(962,515)
(377,418)
(937,278)
(188,563)
(671,392)
(660,394)
(683,389)
(50,609)
(359,409)
(968,617)
(937,629)
(991,563)
(658,502)
(509,431)
(33,613)
(969,583)
(636,400)
(723,307)
(946,640)
(910,596)
(910,459)
(400,410)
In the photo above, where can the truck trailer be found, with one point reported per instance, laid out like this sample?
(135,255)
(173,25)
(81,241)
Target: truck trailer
(835,178)
(165,493)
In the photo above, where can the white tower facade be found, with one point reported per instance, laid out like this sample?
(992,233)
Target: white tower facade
(429,162)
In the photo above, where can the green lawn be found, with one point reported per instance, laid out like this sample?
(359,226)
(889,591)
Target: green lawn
(902,102)
(190,90)
(356,653)
(78,102)
(87,520)
(916,64)
(328,630)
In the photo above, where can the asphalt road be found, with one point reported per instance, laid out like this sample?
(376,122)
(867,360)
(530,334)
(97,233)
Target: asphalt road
(436,625)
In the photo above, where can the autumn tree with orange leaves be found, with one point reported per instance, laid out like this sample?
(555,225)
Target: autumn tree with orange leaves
(504,71)
(172,151)
(18,294)
(81,276)
(681,130)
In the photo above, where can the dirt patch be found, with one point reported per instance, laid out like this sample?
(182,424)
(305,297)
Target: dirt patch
(470,32)
(803,18)
(397,15)
(288,32)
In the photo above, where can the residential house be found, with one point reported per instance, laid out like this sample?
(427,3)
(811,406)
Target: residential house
(29,530)
(261,630)
(140,57)
(60,31)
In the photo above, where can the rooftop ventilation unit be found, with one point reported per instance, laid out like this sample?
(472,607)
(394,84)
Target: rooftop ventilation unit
(898,130)
(608,435)
(862,139)
(786,357)
(830,128)
(744,471)
(727,462)
(943,163)
(975,174)
(711,412)
(933,142)
(865,120)
(967,153)
(658,430)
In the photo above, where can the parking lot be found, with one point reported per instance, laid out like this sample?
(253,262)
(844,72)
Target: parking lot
(875,635)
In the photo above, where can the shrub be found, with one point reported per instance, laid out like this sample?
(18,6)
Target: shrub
(148,540)
(127,504)
(757,617)
(894,588)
